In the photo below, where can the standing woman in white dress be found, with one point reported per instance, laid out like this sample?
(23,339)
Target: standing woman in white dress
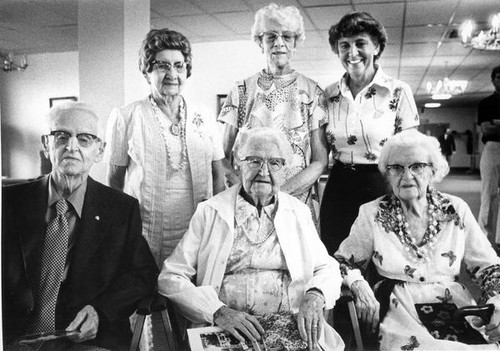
(164,150)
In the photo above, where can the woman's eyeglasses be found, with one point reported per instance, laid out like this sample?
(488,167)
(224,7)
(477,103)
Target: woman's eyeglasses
(271,36)
(415,169)
(273,163)
(61,138)
(164,66)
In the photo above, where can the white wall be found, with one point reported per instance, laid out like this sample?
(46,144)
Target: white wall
(25,101)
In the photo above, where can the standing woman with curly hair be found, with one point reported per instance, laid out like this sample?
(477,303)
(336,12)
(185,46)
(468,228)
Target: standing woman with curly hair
(365,108)
(162,149)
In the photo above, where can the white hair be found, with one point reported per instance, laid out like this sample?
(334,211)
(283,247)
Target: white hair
(67,108)
(262,133)
(284,16)
(409,138)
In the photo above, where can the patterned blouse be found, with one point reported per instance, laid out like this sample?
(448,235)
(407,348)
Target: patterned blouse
(358,128)
(256,278)
(426,288)
(291,103)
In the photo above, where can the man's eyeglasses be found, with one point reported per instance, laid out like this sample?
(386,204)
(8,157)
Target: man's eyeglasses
(61,138)
(164,66)
(273,163)
(415,169)
(271,36)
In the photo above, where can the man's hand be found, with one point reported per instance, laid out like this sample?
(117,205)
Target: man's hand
(234,322)
(310,318)
(87,322)
(367,306)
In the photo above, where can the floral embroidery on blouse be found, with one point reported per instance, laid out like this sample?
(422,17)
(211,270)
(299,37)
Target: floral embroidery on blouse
(412,345)
(393,104)
(370,156)
(336,98)
(371,91)
(447,298)
(378,256)
(382,142)
(409,271)
(351,263)
(351,140)
(331,141)
(451,256)
(397,125)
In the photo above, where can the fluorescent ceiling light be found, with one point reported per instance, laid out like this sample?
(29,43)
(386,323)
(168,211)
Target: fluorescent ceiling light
(441,96)
(432,105)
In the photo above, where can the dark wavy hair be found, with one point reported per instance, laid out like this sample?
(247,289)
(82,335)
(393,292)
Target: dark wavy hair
(163,39)
(356,23)
(494,72)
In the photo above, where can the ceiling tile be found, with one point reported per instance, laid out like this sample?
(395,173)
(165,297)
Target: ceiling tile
(410,50)
(415,61)
(239,22)
(393,35)
(172,8)
(424,34)
(307,3)
(316,38)
(429,12)
(221,5)
(390,15)
(452,48)
(325,17)
(198,24)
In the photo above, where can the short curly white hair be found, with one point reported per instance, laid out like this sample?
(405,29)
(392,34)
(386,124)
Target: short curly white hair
(245,136)
(412,138)
(283,16)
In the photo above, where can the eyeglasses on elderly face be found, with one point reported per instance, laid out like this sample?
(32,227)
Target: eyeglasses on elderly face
(271,36)
(164,66)
(415,169)
(273,163)
(61,138)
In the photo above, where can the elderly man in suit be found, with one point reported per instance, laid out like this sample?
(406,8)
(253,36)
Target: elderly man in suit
(73,255)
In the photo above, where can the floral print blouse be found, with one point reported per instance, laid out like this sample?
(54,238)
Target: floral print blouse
(458,238)
(358,128)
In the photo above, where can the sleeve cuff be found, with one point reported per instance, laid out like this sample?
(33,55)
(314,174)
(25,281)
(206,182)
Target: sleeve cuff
(352,276)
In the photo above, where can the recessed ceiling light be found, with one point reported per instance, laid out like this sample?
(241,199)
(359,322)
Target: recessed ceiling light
(432,105)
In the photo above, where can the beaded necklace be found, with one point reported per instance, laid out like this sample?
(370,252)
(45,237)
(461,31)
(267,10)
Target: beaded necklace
(176,129)
(402,230)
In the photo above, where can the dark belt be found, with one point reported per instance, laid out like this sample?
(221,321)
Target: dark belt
(355,167)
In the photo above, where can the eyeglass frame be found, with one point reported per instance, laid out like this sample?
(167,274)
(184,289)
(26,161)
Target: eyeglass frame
(170,66)
(279,34)
(92,137)
(399,172)
(263,160)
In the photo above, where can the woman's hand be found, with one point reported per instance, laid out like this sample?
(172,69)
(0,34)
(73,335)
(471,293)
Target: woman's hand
(86,322)
(367,306)
(310,318)
(234,322)
(492,329)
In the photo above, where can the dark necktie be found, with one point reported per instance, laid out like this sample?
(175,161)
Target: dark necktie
(53,261)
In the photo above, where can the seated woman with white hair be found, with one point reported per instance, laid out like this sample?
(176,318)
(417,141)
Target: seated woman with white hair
(417,238)
(252,251)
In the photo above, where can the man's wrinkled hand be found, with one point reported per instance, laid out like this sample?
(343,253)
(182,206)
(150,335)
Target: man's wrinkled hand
(86,322)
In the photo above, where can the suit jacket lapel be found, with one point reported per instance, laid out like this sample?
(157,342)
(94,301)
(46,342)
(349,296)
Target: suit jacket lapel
(31,225)
(91,230)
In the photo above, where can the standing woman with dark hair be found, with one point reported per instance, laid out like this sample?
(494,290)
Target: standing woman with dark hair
(163,150)
(365,108)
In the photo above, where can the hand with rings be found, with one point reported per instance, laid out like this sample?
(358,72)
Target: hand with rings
(310,318)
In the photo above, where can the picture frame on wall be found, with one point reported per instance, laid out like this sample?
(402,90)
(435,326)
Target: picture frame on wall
(58,100)
(221,98)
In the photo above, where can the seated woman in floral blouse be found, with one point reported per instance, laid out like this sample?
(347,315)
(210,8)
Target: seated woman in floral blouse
(253,250)
(417,238)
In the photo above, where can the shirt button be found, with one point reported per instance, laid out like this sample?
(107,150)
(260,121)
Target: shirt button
(422,279)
